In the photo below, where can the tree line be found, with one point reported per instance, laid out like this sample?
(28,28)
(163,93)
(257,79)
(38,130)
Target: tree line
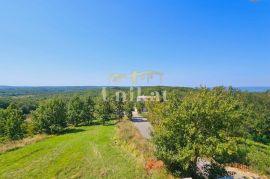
(54,115)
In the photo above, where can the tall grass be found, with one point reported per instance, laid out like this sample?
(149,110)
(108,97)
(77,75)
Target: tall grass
(129,138)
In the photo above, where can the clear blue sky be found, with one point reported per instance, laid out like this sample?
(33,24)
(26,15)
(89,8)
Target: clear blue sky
(81,42)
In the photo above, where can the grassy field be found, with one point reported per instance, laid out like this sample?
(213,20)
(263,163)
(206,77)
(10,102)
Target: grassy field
(87,152)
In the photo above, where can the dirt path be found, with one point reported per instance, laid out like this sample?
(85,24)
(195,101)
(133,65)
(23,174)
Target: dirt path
(142,125)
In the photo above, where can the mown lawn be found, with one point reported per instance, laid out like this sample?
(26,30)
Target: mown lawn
(88,152)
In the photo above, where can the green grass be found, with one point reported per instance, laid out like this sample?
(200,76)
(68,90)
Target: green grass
(89,152)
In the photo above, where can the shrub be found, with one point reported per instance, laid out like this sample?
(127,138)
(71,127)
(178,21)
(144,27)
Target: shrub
(258,158)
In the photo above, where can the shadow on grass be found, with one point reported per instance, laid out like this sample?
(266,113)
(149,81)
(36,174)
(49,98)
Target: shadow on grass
(10,150)
(17,148)
(72,130)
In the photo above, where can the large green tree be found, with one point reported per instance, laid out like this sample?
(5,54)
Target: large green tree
(206,124)
(50,117)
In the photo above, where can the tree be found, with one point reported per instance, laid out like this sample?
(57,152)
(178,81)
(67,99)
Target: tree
(119,107)
(129,107)
(89,110)
(76,111)
(104,110)
(12,123)
(4,103)
(50,117)
(205,125)
(3,117)
(140,106)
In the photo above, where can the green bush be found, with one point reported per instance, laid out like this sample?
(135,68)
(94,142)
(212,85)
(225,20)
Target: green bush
(258,158)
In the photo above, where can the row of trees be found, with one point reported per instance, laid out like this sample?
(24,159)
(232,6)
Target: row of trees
(53,115)
(205,124)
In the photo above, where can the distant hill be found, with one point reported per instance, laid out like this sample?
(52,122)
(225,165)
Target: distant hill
(21,90)
(254,89)
(36,90)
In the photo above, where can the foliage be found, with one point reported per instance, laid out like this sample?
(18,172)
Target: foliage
(50,117)
(259,161)
(76,111)
(22,91)
(89,109)
(2,124)
(4,103)
(258,156)
(259,129)
(201,126)
(140,106)
(119,107)
(81,111)
(104,110)
(12,125)
(129,107)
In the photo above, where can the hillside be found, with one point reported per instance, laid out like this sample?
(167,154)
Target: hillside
(87,152)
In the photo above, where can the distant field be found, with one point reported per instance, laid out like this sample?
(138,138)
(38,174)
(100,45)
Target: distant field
(88,152)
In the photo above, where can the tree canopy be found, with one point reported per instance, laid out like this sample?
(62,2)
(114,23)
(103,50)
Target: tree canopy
(205,124)
(50,117)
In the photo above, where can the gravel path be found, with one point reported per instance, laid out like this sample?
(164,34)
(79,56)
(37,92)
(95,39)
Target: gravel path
(142,125)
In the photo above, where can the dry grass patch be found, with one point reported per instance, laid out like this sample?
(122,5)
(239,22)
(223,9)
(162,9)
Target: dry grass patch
(13,145)
(131,139)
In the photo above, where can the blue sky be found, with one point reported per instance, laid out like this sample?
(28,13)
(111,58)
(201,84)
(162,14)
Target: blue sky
(193,42)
